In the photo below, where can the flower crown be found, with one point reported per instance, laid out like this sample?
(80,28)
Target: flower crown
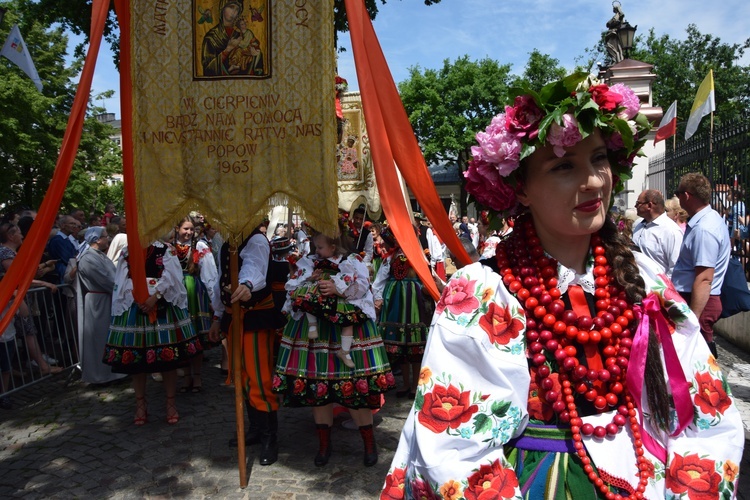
(562,114)
(341,84)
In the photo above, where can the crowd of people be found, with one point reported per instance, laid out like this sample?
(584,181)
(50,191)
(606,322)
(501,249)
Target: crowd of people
(572,358)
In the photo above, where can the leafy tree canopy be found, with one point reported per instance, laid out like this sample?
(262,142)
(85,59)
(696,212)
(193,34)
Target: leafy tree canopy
(34,122)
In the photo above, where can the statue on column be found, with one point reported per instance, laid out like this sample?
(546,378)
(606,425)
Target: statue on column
(611,39)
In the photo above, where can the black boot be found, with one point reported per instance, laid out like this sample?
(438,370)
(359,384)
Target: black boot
(712,348)
(371,450)
(252,435)
(324,445)
(269,445)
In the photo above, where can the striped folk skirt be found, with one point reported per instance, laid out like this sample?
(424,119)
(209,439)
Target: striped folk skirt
(308,372)
(135,345)
(404,320)
(199,307)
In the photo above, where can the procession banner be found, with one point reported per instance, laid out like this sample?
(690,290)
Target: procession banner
(231,110)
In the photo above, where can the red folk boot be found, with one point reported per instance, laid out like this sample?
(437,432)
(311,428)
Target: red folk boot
(324,446)
(371,450)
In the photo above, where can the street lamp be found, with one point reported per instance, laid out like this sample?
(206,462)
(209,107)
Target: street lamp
(626,33)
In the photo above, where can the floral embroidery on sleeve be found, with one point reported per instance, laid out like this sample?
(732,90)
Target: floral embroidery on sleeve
(711,393)
(695,477)
(394,485)
(445,407)
(502,324)
(491,481)
(458,297)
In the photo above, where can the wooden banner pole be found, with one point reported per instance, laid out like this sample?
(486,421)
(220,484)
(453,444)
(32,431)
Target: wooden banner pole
(236,363)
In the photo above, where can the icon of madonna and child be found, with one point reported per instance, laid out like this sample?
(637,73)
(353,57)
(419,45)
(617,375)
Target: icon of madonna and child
(232,38)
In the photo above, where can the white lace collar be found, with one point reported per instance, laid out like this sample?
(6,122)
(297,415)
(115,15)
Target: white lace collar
(567,277)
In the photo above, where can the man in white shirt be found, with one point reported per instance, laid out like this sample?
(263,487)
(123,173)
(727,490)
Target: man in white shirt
(657,236)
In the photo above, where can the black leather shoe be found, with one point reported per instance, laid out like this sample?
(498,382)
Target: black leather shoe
(269,445)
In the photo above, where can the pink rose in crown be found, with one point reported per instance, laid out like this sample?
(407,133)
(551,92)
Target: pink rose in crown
(564,136)
(524,117)
(604,97)
(458,296)
(630,101)
(498,146)
(489,189)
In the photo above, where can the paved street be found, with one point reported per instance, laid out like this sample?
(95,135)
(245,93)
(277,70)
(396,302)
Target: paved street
(78,441)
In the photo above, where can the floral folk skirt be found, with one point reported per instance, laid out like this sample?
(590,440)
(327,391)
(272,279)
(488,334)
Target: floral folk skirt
(333,309)
(135,345)
(199,307)
(308,372)
(404,320)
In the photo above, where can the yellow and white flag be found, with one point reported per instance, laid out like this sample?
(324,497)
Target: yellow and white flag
(232,110)
(16,51)
(704,104)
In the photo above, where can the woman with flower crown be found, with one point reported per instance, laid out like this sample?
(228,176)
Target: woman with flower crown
(199,275)
(403,314)
(566,366)
(153,336)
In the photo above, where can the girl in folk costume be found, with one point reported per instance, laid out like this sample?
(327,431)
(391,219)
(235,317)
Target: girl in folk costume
(156,335)
(404,318)
(329,263)
(313,372)
(487,241)
(568,366)
(199,275)
(378,249)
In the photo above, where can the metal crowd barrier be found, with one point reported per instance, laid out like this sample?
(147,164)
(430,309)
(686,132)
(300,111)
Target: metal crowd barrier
(49,333)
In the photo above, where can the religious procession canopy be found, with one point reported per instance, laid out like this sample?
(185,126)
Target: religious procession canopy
(231,110)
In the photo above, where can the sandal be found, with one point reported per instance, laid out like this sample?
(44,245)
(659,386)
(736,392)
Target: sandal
(196,388)
(140,408)
(172,416)
(188,387)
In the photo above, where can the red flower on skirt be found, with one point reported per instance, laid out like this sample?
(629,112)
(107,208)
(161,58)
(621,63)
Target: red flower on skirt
(299,386)
(167,354)
(491,481)
(446,407)
(127,357)
(695,476)
(500,325)
(347,389)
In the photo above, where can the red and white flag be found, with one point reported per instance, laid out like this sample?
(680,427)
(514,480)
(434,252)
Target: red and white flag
(668,125)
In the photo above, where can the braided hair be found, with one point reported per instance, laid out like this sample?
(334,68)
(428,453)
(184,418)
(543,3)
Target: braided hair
(625,271)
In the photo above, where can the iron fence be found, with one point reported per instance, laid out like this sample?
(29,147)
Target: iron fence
(45,340)
(724,158)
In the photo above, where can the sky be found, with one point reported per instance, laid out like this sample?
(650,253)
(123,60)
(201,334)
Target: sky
(412,34)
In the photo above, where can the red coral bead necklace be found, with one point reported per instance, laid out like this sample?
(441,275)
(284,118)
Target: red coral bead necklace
(555,336)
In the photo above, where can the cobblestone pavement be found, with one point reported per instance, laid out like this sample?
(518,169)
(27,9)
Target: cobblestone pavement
(72,440)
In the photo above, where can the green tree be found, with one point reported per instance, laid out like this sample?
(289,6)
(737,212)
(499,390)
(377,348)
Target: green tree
(540,70)
(681,66)
(34,122)
(446,107)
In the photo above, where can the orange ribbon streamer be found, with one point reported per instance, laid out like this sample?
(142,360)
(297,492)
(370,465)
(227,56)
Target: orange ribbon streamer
(392,140)
(23,269)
